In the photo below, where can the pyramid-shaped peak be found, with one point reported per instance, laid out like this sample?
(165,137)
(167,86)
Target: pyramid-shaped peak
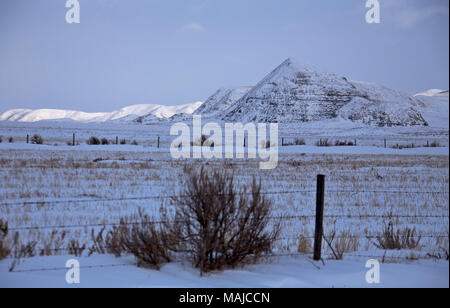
(297,65)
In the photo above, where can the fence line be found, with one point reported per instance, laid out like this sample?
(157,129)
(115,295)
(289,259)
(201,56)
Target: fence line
(65,268)
(155,222)
(273,255)
(318,236)
(43,202)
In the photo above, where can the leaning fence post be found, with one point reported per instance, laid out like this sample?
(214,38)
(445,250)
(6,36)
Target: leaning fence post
(320,192)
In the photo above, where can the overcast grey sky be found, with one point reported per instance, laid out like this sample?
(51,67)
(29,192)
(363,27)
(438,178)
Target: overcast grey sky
(172,52)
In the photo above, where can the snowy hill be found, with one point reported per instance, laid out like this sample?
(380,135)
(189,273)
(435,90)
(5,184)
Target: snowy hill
(214,107)
(126,114)
(221,101)
(436,107)
(297,93)
(433,92)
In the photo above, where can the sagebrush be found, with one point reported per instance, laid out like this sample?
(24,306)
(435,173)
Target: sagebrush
(220,225)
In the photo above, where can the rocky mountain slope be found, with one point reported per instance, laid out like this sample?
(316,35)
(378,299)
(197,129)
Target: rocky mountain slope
(221,101)
(298,93)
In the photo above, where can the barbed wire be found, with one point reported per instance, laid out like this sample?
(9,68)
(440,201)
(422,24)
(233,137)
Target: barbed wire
(282,192)
(273,255)
(281,218)
(65,268)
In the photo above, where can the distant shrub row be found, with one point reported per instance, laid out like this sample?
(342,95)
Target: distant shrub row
(103,141)
(434,144)
(337,143)
(10,139)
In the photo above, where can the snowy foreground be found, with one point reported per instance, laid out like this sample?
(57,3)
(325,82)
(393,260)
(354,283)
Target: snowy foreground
(78,189)
(284,272)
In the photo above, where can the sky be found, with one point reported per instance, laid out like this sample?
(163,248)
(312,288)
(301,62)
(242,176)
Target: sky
(172,52)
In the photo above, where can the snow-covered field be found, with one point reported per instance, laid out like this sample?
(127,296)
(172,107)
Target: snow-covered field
(77,189)
(282,272)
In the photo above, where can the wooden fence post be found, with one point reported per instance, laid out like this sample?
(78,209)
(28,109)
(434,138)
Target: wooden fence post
(282,142)
(385,143)
(117,139)
(28,138)
(320,192)
(158,142)
(73,139)
(245,143)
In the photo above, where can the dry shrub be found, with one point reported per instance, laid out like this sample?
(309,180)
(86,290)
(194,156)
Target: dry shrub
(323,143)
(93,141)
(220,226)
(434,144)
(340,143)
(112,242)
(37,139)
(442,248)
(297,141)
(53,245)
(149,241)
(300,142)
(341,244)
(391,238)
(202,142)
(75,248)
(404,146)
(105,141)
(21,250)
(4,246)
(305,244)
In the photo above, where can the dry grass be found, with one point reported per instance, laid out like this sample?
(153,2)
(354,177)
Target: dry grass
(4,245)
(50,175)
(394,238)
(343,243)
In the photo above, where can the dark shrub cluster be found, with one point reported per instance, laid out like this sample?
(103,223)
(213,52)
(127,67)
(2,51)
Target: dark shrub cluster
(93,141)
(4,247)
(37,139)
(212,223)
(391,238)
(323,143)
(343,143)
(297,141)
(221,226)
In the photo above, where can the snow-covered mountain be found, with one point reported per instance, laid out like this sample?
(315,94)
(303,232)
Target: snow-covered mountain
(127,114)
(297,93)
(436,107)
(214,107)
(434,93)
(221,101)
